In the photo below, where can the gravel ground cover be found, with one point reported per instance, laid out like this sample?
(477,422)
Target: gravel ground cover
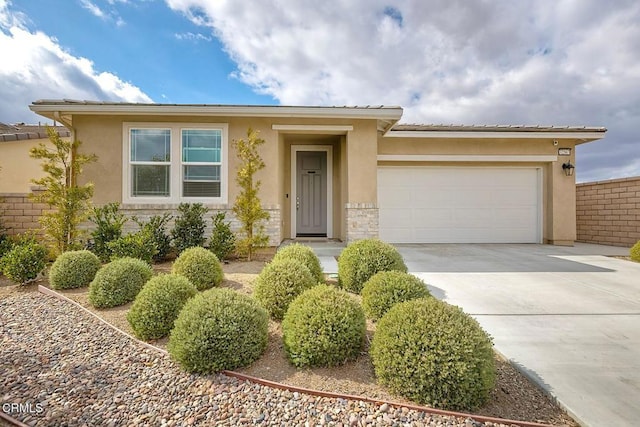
(75,371)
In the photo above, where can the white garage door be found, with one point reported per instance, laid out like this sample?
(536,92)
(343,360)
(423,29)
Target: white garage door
(459,204)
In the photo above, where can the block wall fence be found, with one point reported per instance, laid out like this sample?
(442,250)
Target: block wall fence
(608,212)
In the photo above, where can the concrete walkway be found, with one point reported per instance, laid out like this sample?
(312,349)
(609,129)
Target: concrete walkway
(568,317)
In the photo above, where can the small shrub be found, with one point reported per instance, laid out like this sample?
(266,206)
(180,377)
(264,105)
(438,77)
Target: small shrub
(279,283)
(305,255)
(6,244)
(188,230)
(200,266)
(158,304)
(433,353)
(74,269)
(223,241)
(387,288)
(219,329)
(118,282)
(323,326)
(109,221)
(156,226)
(635,252)
(359,261)
(140,245)
(24,262)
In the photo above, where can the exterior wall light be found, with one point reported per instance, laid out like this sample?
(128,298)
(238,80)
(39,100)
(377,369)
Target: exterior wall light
(568,168)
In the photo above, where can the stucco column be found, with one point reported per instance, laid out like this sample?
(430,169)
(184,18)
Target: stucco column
(361,208)
(563,203)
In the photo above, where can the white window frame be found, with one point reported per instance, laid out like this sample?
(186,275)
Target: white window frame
(176,165)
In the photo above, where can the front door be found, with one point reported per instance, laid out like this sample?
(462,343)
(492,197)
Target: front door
(311,197)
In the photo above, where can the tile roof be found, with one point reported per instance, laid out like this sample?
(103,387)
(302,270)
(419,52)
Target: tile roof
(493,128)
(21,131)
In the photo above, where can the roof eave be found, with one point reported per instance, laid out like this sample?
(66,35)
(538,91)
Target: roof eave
(49,109)
(581,136)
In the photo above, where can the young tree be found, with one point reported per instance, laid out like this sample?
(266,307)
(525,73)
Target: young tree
(70,202)
(247,207)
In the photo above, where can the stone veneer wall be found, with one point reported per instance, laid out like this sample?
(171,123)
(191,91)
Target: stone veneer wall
(19,214)
(362,221)
(608,212)
(145,211)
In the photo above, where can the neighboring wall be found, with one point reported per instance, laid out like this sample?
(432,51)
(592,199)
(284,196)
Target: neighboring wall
(608,212)
(19,214)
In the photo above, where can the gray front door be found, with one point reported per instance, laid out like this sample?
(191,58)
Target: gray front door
(311,197)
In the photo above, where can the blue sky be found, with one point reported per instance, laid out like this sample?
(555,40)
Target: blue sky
(563,62)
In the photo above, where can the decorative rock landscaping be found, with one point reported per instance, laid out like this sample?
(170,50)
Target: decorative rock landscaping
(74,370)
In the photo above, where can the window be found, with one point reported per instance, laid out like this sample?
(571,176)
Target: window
(201,164)
(173,163)
(150,162)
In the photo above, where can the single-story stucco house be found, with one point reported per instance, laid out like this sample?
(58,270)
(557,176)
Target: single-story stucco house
(340,172)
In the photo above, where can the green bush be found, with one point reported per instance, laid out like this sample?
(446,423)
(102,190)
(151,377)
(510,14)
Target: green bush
(200,266)
(109,221)
(305,255)
(635,252)
(359,261)
(387,288)
(219,329)
(140,245)
(279,283)
(188,230)
(433,353)
(156,226)
(24,262)
(158,304)
(74,269)
(223,241)
(323,326)
(118,282)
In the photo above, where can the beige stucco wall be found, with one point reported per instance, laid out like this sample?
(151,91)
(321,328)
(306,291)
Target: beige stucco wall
(17,169)
(558,198)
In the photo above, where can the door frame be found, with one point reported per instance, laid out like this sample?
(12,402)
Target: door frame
(294,187)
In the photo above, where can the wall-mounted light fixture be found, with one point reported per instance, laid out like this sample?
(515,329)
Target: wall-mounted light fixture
(568,168)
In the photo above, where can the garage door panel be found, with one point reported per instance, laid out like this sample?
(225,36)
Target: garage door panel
(459,205)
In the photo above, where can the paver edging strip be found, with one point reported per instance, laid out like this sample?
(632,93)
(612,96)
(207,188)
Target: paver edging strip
(280,386)
(11,420)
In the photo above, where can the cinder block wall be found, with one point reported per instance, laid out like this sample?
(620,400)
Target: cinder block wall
(19,214)
(608,212)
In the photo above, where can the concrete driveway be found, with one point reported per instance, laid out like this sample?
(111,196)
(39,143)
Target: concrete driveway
(568,316)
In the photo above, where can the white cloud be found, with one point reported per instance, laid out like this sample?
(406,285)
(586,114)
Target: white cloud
(450,61)
(95,10)
(40,68)
(192,37)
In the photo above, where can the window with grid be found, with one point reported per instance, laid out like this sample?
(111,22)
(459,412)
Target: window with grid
(201,162)
(150,159)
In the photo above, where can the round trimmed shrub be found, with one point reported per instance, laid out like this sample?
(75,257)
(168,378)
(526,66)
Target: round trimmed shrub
(324,326)
(24,262)
(219,329)
(279,283)
(305,255)
(74,269)
(635,252)
(158,304)
(200,266)
(364,258)
(433,353)
(118,282)
(387,288)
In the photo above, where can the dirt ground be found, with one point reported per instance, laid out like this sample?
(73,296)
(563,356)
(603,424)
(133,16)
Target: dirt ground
(514,396)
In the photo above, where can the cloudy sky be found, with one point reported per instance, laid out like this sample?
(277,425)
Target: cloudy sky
(548,62)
